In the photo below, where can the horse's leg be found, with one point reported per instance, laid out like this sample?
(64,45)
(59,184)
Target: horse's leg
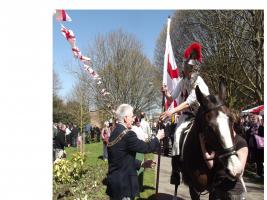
(175,190)
(193,193)
(175,176)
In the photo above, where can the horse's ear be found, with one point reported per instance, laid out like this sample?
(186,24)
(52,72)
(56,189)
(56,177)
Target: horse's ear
(200,97)
(222,90)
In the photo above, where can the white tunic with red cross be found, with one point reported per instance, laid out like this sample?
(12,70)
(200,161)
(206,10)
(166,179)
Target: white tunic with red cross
(185,91)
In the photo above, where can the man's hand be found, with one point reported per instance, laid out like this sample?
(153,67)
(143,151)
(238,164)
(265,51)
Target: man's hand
(164,89)
(165,114)
(148,164)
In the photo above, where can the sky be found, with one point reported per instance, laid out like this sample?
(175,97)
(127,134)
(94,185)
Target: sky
(27,32)
(145,25)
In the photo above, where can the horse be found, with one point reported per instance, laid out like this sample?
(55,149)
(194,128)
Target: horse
(211,120)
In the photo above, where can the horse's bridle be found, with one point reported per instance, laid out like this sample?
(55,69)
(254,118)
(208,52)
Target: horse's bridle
(215,107)
(223,153)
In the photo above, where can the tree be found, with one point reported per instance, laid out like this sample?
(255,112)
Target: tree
(78,101)
(232,43)
(56,83)
(126,73)
(58,104)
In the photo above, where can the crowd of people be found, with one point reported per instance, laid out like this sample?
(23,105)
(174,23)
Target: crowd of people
(64,135)
(69,135)
(251,128)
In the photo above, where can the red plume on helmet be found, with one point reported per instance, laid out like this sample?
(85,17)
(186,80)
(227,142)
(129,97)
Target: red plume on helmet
(193,52)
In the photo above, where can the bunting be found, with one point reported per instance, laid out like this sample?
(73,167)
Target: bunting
(61,15)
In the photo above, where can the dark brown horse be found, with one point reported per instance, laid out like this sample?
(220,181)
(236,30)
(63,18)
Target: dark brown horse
(212,120)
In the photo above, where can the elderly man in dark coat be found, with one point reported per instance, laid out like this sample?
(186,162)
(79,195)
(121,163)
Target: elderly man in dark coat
(122,181)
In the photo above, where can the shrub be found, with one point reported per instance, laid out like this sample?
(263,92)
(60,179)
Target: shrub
(61,170)
(66,171)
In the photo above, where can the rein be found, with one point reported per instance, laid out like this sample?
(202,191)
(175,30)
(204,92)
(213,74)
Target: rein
(215,107)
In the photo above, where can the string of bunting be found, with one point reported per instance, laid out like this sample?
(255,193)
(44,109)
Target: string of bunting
(62,16)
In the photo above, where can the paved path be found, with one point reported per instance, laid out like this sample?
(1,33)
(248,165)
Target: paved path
(166,190)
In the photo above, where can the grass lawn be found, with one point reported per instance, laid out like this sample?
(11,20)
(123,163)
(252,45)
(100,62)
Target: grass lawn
(90,185)
(93,153)
(97,171)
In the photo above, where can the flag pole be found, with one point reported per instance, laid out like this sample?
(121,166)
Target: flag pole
(159,151)
(163,109)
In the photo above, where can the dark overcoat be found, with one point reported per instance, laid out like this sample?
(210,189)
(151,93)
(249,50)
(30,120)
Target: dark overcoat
(122,178)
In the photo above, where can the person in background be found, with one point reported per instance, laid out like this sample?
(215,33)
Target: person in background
(55,132)
(260,150)
(93,134)
(140,156)
(154,128)
(74,135)
(88,129)
(105,134)
(145,125)
(68,135)
(225,188)
(60,142)
(253,130)
(138,130)
(98,134)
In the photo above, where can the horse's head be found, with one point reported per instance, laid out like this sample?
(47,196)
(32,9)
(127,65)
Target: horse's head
(213,117)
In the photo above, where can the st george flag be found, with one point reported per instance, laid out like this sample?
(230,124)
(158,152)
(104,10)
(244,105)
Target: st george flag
(69,35)
(170,70)
(61,15)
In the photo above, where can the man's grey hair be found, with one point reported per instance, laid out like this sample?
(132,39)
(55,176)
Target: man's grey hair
(122,111)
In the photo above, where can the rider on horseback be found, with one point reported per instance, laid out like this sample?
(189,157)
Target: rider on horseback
(185,90)
(188,104)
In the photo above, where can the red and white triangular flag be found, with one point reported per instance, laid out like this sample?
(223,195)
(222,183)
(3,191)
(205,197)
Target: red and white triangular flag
(61,15)
(84,58)
(88,68)
(90,71)
(69,35)
(76,52)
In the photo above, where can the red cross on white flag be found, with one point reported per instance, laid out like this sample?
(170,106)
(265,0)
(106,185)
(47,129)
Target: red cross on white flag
(170,70)
(69,35)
